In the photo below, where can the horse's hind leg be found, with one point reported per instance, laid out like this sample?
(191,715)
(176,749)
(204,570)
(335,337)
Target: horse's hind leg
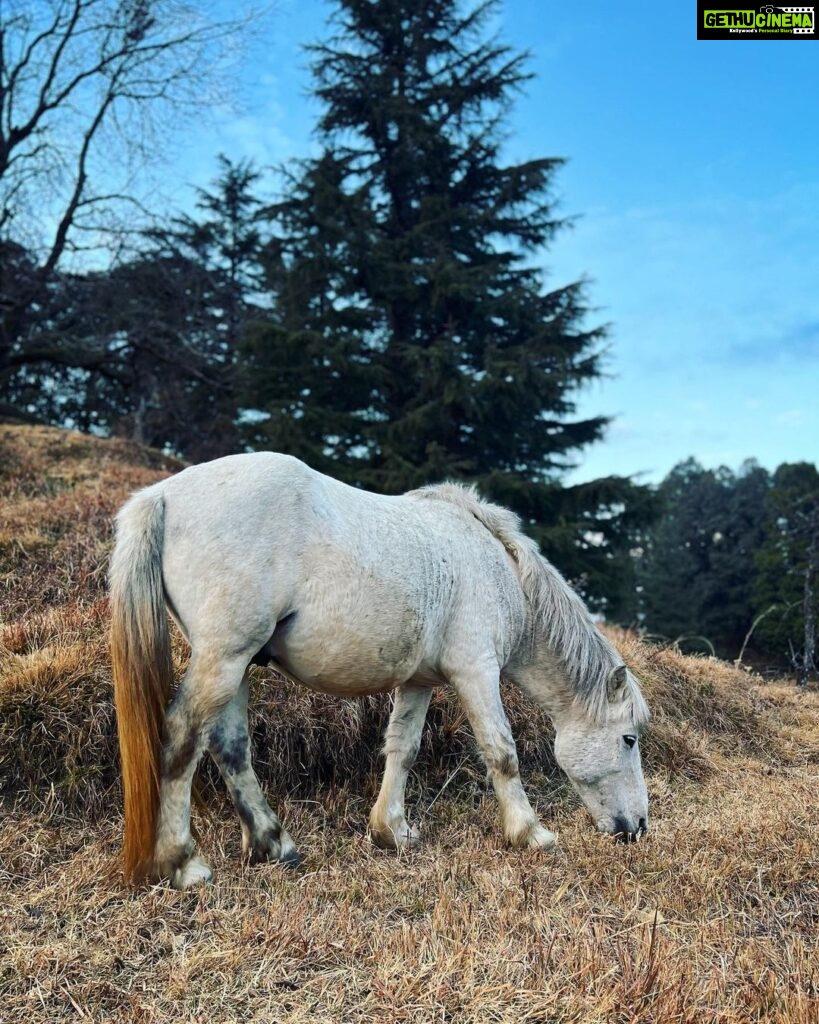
(263,837)
(208,686)
(388,823)
(479,691)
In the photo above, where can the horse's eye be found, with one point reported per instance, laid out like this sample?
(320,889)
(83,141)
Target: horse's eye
(629,740)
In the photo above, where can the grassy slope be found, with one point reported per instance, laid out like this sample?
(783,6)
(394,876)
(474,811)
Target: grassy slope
(714,918)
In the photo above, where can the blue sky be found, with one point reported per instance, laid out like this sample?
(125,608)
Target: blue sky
(693,171)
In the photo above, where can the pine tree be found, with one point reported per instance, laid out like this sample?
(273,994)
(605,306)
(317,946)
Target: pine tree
(225,240)
(413,339)
(218,251)
(674,559)
(308,364)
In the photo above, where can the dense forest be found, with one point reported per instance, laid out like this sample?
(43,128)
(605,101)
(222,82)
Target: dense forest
(731,563)
(386,317)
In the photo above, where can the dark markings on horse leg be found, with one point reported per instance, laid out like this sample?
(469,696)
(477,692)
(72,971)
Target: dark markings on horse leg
(260,841)
(177,757)
(229,744)
(404,717)
(260,845)
(506,766)
(232,751)
(244,811)
(273,832)
(185,729)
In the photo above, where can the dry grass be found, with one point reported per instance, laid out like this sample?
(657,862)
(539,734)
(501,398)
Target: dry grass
(715,918)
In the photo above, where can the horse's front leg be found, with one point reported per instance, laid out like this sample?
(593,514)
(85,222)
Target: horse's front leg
(388,822)
(479,690)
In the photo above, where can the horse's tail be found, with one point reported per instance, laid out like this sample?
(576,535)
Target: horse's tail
(142,669)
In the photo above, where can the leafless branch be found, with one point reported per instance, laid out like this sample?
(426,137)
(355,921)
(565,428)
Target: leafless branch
(82,83)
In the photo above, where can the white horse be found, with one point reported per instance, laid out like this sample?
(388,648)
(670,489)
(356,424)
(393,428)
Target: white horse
(261,559)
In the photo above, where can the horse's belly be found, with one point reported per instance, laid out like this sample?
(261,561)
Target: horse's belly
(356,661)
(361,622)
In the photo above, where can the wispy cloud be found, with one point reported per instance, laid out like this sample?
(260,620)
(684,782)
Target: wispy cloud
(798,342)
(716,329)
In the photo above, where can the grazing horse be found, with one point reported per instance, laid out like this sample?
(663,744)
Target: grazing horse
(261,559)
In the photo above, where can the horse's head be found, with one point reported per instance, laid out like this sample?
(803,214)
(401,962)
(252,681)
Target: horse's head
(601,756)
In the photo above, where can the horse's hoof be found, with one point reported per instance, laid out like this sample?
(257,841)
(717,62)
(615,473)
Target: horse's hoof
(291,860)
(194,871)
(402,837)
(541,838)
(274,846)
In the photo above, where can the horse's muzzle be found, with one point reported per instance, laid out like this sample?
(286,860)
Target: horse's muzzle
(625,831)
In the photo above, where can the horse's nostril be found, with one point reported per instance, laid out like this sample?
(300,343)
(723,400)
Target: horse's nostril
(621,830)
(625,832)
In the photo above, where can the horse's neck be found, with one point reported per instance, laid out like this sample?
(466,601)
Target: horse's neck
(540,673)
(563,659)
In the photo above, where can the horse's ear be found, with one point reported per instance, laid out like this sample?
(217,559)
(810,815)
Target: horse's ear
(616,683)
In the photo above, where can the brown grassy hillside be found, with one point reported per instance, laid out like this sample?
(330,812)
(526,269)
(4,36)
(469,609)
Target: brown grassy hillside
(714,918)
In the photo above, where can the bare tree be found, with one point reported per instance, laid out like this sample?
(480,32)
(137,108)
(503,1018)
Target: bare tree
(87,90)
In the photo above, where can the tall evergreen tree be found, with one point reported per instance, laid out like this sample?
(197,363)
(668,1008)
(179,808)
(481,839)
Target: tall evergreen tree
(412,338)
(225,240)
(220,248)
(311,364)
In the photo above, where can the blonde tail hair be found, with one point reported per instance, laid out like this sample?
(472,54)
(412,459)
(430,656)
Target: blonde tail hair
(142,670)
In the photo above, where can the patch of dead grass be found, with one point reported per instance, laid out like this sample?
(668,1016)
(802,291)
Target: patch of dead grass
(713,919)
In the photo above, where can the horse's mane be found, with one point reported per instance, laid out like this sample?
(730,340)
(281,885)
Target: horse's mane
(558,612)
